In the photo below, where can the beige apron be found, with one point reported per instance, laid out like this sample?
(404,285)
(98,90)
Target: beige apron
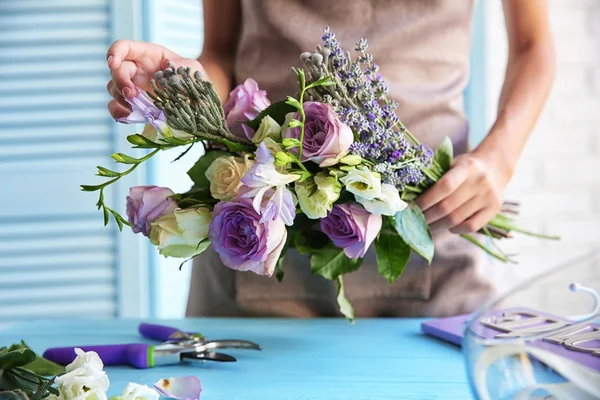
(422,47)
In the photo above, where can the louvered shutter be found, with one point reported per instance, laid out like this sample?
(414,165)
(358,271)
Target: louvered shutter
(56,258)
(177,25)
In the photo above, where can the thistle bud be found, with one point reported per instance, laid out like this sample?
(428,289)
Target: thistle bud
(159,75)
(169,72)
(305,56)
(317,58)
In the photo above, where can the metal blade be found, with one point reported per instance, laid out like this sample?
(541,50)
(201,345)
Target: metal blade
(228,344)
(207,356)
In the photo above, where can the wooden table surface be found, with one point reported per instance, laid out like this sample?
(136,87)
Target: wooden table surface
(324,359)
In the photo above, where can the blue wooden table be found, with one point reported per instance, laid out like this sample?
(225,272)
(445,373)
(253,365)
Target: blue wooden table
(301,359)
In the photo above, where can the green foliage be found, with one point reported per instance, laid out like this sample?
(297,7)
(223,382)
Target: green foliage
(195,197)
(16,374)
(198,172)
(331,262)
(277,111)
(39,365)
(444,154)
(412,227)
(345,306)
(392,255)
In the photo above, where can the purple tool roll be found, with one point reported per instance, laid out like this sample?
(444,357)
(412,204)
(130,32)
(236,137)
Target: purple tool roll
(116,354)
(586,337)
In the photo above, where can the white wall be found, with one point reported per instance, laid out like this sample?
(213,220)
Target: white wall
(558,177)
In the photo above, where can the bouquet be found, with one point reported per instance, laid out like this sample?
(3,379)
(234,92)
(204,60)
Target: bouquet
(329,171)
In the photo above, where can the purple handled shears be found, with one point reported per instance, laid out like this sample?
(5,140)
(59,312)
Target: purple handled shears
(176,346)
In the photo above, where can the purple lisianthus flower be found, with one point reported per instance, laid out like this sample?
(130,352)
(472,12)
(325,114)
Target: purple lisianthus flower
(185,388)
(245,102)
(326,137)
(243,241)
(146,204)
(143,111)
(262,179)
(352,228)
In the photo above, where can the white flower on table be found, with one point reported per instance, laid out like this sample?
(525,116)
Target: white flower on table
(84,378)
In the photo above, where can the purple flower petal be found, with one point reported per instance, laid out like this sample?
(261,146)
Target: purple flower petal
(185,388)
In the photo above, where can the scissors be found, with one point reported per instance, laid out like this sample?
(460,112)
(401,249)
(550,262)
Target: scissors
(177,346)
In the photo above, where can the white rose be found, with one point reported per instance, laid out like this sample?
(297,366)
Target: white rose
(362,182)
(84,378)
(388,202)
(269,128)
(133,391)
(318,203)
(182,234)
(224,175)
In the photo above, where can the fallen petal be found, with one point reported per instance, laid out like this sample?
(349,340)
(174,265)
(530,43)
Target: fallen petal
(185,388)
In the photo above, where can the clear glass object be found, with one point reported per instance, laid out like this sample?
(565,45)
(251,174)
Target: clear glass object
(548,351)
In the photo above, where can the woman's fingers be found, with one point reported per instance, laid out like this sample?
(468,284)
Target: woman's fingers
(449,183)
(123,78)
(447,206)
(476,221)
(116,110)
(111,88)
(460,215)
(125,50)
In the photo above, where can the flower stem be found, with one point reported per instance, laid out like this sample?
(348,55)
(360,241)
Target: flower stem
(485,248)
(303,116)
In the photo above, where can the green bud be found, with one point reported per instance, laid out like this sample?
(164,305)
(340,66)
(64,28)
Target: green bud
(282,158)
(294,123)
(289,143)
(351,159)
(346,168)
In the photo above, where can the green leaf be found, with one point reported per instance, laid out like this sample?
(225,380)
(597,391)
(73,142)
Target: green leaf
(331,262)
(142,142)
(40,365)
(91,188)
(16,358)
(277,111)
(198,172)
(345,306)
(392,255)
(444,154)
(413,229)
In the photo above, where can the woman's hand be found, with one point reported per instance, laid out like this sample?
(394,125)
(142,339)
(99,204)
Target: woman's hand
(132,64)
(468,196)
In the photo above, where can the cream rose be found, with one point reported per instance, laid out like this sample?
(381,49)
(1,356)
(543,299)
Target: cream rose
(224,175)
(84,378)
(269,128)
(182,234)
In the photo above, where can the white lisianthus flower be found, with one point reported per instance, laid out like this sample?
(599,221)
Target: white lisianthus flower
(182,234)
(388,202)
(362,182)
(225,174)
(133,391)
(318,203)
(150,132)
(269,128)
(84,378)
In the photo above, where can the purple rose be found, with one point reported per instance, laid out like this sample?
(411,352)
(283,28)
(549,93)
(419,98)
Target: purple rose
(245,102)
(352,228)
(243,241)
(326,137)
(146,204)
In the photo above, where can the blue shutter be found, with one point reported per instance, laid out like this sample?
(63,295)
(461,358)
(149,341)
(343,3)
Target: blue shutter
(56,258)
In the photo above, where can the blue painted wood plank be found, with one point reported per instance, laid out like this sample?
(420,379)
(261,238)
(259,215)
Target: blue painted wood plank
(326,359)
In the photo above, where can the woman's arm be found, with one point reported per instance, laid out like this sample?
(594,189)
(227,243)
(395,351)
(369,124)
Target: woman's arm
(470,194)
(221,34)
